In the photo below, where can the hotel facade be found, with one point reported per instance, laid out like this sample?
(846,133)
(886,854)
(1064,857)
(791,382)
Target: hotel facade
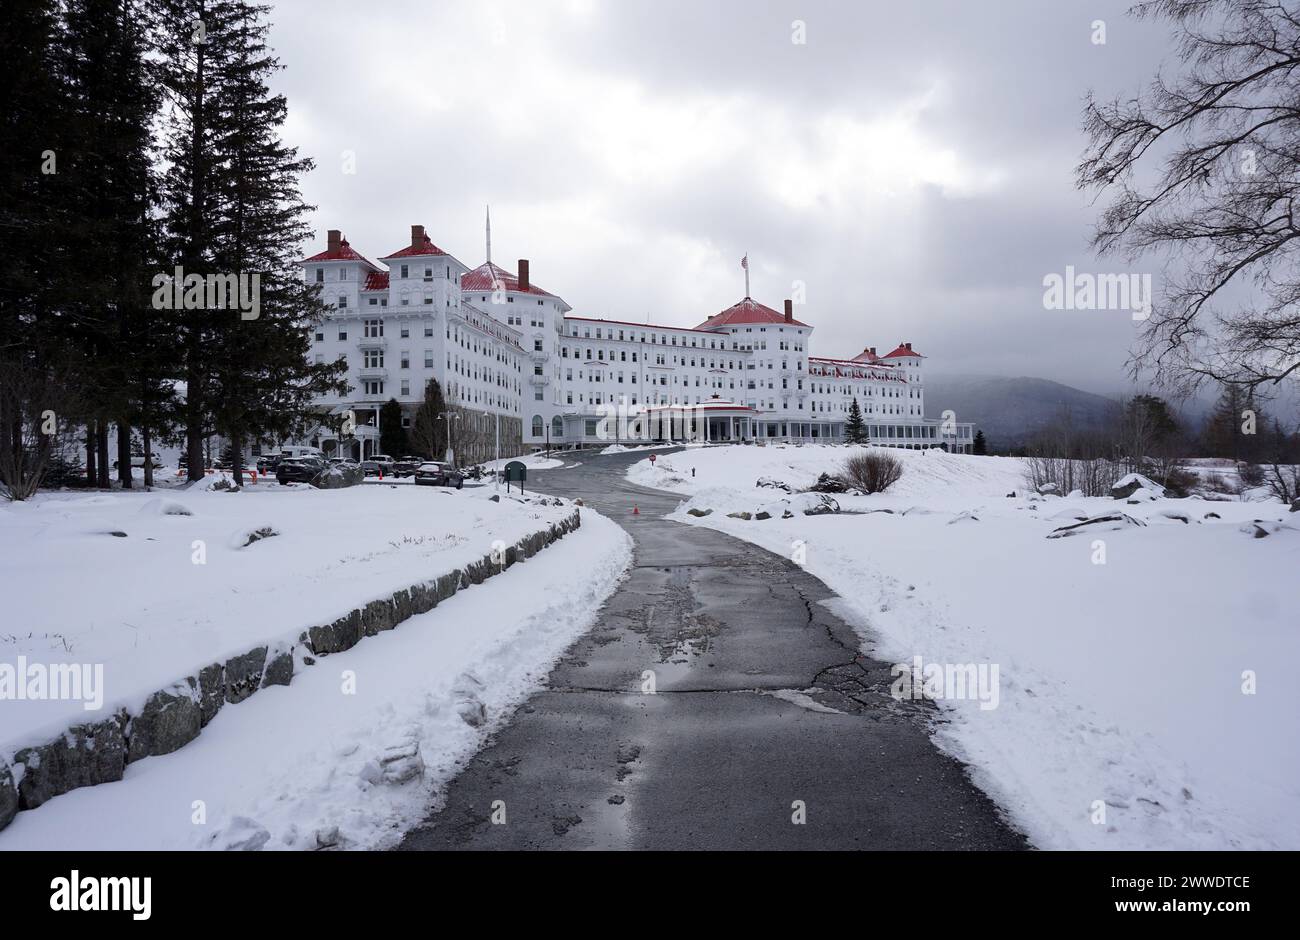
(516,364)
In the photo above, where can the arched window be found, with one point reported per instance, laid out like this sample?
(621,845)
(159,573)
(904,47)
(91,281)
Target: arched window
(537,426)
(557,427)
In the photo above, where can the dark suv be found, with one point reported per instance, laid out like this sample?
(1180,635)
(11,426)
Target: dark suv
(433,473)
(405,466)
(299,469)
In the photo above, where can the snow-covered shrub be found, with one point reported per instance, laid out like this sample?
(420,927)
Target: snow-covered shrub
(872,471)
(828,484)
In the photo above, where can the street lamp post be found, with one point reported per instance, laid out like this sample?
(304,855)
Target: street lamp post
(448,416)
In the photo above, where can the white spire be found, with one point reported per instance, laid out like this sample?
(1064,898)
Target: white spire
(489,234)
(744,263)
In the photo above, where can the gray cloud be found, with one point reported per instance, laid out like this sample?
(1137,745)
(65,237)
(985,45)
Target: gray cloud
(911,163)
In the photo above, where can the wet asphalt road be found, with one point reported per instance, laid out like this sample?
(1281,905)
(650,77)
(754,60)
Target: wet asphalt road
(718,757)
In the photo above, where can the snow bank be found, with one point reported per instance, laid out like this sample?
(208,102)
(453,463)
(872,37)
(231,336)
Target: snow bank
(1123,654)
(354,752)
(155,589)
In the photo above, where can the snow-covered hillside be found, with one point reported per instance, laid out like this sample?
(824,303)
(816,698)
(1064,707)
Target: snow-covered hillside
(1121,649)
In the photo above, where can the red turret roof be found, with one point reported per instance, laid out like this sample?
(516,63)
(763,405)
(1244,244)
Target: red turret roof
(747,311)
(376,280)
(427,247)
(490,277)
(344,252)
(904,349)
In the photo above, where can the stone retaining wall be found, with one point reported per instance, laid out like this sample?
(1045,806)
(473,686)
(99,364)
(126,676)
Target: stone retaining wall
(98,752)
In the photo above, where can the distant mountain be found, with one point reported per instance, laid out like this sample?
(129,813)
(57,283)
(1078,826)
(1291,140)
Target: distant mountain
(1010,410)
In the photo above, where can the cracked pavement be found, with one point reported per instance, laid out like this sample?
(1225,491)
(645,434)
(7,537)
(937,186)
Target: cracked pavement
(762,698)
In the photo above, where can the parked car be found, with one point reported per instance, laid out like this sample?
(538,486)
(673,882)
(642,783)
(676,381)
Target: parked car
(433,473)
(406,466)
(340,461)
(299,469)
(370,468)
(267,463)
(385,463)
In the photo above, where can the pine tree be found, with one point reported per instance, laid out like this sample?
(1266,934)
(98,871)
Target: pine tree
(980,445)
(1233,427)
(38,211)
(111,170)
(428,430)
(855,430)
(392,436)
(237,210)
(265,382)
(192,56)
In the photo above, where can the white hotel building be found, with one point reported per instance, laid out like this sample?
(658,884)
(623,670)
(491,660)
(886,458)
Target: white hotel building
(504,349)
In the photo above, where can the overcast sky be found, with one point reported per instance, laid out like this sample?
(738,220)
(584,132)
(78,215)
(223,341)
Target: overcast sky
(911,163)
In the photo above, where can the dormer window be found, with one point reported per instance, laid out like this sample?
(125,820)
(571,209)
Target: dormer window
(405,271)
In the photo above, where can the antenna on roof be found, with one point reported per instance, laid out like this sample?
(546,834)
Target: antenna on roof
(489,234)
(744,263)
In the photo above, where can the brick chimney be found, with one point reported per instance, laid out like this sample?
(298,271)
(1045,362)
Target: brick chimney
(872,350)
(907,346)
(789,310)
(523,274)
(417,236)
(334,239)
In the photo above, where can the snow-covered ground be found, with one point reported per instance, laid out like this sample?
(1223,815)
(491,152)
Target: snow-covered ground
(155,586)
(289,765)
(1120,681)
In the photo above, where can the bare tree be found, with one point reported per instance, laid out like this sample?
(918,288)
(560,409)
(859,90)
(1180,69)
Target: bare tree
(32,405)
(1203,169)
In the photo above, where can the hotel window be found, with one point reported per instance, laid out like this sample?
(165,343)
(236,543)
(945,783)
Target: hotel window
(374,388)
(428,331)
(406,386)
(343,274)
(406,332)
(372,328)
(404,271)
(320,337)
(406,359)
(320,275)
(374,358)
(343,334)
(343,302)
(428,358)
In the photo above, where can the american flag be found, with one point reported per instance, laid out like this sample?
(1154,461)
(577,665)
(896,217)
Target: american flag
(744,262)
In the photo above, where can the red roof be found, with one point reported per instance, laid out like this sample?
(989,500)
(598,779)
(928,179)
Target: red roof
(867,355)
(427,247)
(747,311)
(490,277)
(376,280)
(344,252)
(904,349)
